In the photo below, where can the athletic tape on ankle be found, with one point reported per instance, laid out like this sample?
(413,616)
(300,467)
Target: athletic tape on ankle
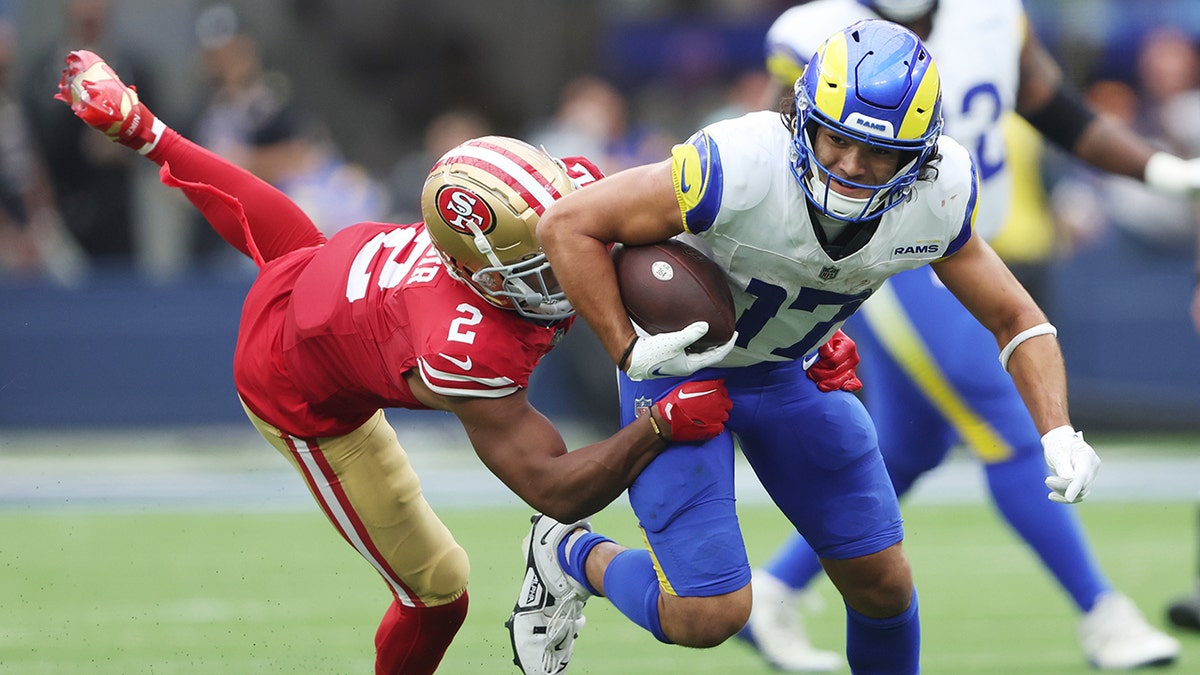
(573,556)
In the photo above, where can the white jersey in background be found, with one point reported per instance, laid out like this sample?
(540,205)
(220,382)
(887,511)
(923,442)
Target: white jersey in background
(737,191)
(979,82)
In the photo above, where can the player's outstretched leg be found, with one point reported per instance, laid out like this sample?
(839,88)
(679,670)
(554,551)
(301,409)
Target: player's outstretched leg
(248,213)
(548,614)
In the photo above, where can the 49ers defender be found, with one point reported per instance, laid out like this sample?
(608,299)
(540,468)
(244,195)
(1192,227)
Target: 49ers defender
(452,314)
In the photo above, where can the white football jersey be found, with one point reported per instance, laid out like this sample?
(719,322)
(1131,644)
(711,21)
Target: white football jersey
(977,47)
(736,190)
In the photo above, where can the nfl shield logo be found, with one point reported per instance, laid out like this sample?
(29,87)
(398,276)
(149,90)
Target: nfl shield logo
(829,272)
(641,406)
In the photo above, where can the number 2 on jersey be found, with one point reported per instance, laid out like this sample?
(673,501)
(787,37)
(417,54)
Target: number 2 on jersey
(394,271)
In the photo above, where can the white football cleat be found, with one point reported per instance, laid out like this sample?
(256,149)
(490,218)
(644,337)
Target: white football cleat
(776,630)
(1115,636)
(549,611)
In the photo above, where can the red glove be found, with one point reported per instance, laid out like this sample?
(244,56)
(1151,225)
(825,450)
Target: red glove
(835,369)
(696,410)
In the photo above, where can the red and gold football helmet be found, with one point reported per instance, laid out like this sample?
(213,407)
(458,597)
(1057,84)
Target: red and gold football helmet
(481,203)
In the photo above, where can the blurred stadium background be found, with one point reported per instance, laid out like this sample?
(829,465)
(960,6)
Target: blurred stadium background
(116,390)
(148,344)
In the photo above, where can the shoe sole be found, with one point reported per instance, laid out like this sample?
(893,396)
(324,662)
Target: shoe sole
(1156,663)
(508,624)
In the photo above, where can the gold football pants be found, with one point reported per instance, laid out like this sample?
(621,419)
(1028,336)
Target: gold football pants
(367,488)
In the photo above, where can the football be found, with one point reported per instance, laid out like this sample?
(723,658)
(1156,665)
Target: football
(668,285)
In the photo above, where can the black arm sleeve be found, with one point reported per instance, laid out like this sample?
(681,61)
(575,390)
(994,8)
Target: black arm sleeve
(1063,119)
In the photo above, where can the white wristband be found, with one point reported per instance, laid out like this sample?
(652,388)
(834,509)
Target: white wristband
(1040,329)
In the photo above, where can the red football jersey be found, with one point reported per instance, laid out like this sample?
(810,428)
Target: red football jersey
(328,332)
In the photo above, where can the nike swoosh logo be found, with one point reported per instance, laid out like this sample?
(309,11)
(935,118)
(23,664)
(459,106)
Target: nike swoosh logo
(465,364)
(683,184)
(694,394)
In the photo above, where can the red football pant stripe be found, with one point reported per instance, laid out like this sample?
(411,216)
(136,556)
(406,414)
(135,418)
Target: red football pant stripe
(327,489)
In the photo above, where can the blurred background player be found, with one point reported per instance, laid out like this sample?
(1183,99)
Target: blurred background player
(252,116)
(593,114)
(419,316)
(1162,104)
(808,211)
(94,182)
(448,129)
(933,376)
(33,242)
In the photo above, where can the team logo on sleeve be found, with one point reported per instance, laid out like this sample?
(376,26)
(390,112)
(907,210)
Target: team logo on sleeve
(699,181)
(464,211)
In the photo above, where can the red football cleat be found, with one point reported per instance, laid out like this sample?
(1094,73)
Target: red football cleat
(101,99)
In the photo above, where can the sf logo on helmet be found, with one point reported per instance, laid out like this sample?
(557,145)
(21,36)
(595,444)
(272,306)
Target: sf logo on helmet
(461,209)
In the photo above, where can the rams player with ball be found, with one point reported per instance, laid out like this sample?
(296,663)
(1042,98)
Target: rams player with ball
(934,377)
(809,211)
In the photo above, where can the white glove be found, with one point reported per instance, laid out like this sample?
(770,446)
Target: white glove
(1074,463)
(1172,174)
(663,355)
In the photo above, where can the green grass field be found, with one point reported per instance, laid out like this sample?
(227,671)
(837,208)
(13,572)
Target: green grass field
(214,592)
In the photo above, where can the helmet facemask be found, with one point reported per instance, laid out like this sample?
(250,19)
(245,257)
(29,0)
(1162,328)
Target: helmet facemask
(527,287)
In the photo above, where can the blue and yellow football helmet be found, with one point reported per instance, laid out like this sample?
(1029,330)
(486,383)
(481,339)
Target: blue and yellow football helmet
(873,82)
